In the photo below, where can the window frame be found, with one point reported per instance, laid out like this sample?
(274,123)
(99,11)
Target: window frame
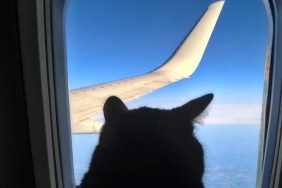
(41,22)
(269,174)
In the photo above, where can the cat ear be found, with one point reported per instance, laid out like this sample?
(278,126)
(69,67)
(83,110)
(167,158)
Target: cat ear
(113,107)
(196,107)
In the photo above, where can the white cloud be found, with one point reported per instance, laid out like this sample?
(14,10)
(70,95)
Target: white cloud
(234,113)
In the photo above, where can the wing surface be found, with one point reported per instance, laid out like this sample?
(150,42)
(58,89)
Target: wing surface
(88,101)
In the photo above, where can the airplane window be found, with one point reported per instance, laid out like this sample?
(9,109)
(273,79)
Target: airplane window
(112,40)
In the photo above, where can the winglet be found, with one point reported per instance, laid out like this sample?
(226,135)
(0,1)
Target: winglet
(188,55)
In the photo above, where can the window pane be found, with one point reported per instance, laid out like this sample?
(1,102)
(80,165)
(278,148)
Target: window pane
(110,40)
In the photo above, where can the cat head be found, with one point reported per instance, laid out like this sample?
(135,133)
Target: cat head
(155,141)
(175,125)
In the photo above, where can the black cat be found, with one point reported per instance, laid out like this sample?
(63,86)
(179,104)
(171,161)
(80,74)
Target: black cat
(146,147)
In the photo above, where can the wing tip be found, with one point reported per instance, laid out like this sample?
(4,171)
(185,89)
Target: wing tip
(217,4)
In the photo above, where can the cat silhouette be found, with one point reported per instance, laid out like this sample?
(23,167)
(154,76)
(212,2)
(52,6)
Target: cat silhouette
(148,147)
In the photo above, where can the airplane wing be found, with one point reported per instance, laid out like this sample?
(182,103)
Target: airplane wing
(88,101)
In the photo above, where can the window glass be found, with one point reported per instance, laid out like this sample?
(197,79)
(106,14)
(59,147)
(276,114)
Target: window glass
(110,40)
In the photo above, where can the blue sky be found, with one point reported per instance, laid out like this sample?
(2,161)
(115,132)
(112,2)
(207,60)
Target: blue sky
(109,40)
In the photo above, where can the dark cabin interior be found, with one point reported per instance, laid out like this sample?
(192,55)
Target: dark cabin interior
(15,158)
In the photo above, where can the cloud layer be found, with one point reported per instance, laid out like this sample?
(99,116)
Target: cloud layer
(234,113)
